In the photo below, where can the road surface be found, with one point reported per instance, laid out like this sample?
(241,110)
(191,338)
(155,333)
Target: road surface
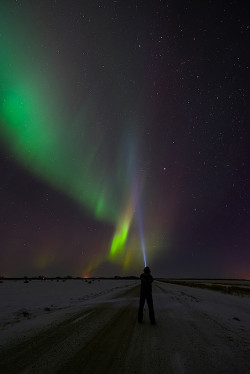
(197,331)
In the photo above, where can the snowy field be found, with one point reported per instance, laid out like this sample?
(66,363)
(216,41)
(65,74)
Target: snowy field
(77,326)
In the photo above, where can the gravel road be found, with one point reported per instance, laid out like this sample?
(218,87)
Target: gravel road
(197,331)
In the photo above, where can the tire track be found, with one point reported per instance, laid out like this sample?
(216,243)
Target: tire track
(105,351)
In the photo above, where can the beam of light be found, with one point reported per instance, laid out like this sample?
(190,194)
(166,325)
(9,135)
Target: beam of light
(141,233)
(139,220)
(122,230)
(137,194)
(119,238)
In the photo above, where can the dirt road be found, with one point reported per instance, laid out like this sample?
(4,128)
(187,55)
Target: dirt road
(196,332)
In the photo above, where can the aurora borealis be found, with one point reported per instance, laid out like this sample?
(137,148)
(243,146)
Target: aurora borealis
(124,138)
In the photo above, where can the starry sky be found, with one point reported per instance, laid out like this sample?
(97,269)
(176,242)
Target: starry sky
(124,134)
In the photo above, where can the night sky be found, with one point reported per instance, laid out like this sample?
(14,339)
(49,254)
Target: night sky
(125,138)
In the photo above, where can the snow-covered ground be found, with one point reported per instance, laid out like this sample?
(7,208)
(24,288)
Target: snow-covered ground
(76,326)
(25,306)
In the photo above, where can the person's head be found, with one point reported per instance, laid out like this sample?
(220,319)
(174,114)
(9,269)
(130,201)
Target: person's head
(146,270)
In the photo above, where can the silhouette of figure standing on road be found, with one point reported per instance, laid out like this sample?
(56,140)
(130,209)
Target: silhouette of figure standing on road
(146,294)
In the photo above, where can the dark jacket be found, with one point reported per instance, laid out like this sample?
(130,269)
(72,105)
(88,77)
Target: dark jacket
(146,284)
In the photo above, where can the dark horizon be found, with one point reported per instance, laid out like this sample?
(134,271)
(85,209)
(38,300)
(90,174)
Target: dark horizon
(116,277)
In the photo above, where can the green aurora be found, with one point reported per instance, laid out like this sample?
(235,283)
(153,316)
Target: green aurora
(43,140)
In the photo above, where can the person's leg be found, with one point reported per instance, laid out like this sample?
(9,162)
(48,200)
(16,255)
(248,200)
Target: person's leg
(141,306)
(151,309)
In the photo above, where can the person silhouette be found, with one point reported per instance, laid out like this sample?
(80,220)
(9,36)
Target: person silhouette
(146,294)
